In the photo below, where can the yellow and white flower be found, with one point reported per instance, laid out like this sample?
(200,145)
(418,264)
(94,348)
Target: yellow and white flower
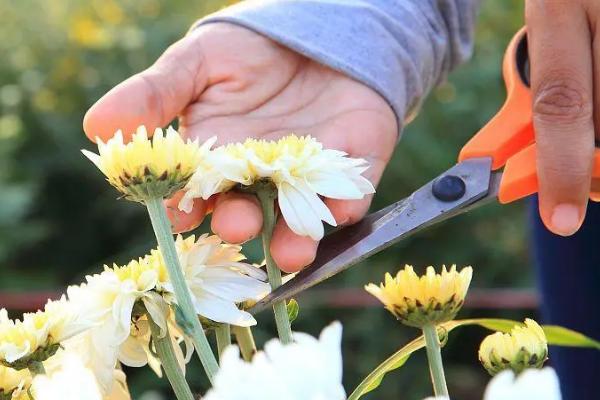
(307,369)
(299,167)
(148,168)
(14,383)
(531,384)
(37,336)
(428,299)
(218,279)
(524,347)
(109,298)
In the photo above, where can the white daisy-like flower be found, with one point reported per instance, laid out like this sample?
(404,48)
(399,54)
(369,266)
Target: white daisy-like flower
(300,168)
(218,280)
(109,298)
(308,369)
(531,384)
(38,335)
(72,381)
(69,377)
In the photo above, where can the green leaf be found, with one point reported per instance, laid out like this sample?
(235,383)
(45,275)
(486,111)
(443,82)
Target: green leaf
(556,335)
(559,336)
(373,380)
(293,308)
(493,324)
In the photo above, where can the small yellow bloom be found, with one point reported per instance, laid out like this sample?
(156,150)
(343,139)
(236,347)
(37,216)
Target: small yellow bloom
(148,168)
(145,272)
(38,335)
(524,347)
(13,383)
(429,299)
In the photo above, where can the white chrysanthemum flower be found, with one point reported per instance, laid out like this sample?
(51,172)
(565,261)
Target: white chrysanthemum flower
(38,335)
(308,369)
(300,168)
(531,384)
(69,377)
(109,298)
(218,280)
(71,381)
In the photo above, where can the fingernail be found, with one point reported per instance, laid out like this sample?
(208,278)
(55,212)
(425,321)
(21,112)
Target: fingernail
(565,219)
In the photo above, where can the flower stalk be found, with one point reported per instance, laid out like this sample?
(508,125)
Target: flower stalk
(434,357)
(168,359)
(245,340)
(223,334)
(193,327)
(267,194)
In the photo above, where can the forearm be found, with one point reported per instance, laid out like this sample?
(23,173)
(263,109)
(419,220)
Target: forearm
(399,48)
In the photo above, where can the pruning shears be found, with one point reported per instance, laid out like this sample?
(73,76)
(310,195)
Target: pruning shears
(497,164)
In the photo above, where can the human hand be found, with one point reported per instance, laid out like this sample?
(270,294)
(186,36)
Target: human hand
(564,50)
(228,81)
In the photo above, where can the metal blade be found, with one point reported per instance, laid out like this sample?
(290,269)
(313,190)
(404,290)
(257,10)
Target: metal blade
(348,246)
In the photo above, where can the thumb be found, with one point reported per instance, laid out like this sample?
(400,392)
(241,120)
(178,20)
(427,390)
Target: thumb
(153,97)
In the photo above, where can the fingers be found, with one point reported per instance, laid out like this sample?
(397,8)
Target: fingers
(153,97)
(348,212)
(237,217)
(290,251)
(293,252)
(561,78)
(182,221)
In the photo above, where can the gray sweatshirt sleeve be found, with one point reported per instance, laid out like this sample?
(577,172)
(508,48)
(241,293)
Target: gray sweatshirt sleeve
(399,48)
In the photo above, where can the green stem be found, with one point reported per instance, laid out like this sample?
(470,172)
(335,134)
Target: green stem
(266,195)
(434,356)
(193,327)
(245,339)
(223,333)
(36,368)
(168,359)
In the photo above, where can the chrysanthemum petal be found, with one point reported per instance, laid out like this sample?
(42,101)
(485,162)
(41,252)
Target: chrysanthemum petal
(298,212)
(220,310)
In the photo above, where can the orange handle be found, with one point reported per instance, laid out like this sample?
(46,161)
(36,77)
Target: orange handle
(519,178)
(511,129)
(509,139)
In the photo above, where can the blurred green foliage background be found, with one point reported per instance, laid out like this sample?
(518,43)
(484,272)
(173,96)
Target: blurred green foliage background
(59,220)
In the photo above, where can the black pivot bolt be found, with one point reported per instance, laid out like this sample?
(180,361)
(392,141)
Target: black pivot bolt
(449,188)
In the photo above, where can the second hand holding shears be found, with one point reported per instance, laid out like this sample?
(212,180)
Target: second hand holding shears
(507,140)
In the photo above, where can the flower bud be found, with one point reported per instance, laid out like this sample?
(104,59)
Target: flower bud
(148,168)
(429,299)
(524,347)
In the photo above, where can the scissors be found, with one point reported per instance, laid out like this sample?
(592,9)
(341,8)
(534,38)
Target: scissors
(497,164)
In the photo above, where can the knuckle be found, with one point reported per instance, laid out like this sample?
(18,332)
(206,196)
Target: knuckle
(562,99)
(565,172)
